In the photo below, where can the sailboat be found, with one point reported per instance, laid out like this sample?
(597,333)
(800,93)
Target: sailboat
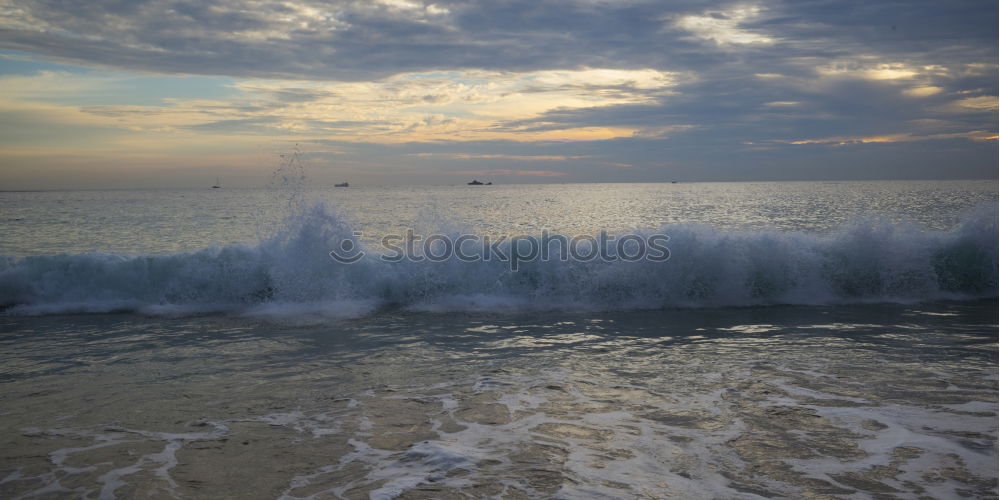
(217,184)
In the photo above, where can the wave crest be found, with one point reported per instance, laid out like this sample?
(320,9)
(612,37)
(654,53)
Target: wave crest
(868,260)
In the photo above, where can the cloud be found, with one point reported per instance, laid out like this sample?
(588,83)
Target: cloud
(365,40)
(973,135)
(725,27)
(471,156)
(971,105)
(923,91)
(411,107)
(508,172)
(602,82)
(56,86)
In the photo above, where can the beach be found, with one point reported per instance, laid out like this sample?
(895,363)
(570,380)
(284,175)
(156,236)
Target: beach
(777,353)
(467,249)
(802,402)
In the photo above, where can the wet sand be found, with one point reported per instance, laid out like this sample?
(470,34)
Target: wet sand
(827,402)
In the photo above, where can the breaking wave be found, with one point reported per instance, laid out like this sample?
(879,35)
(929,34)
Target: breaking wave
(291,273)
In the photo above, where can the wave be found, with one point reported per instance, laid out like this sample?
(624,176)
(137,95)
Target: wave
(292,274)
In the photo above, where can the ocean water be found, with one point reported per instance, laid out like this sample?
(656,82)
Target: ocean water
(790,340)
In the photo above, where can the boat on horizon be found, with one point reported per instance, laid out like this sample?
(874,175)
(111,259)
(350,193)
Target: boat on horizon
(218,185)
(477,183)
(342,185)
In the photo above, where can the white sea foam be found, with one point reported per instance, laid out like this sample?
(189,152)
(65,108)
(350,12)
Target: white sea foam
(163,460)
(931,431)
(292,275)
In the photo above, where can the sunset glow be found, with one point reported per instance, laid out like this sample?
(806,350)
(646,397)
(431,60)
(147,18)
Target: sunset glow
(379,91)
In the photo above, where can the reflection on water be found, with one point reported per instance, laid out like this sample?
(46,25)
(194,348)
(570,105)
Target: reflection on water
(163,221)
(783,401)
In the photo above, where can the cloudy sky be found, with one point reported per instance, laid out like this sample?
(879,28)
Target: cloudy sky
(147,93)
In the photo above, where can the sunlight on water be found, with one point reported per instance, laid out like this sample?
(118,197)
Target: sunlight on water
(163,221)
(793,402)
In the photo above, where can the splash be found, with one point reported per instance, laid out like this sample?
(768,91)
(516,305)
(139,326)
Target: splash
(290,273)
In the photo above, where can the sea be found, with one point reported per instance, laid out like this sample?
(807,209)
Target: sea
(822,340)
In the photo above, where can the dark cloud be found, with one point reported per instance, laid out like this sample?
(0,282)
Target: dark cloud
(681,158)
(357,40)
(752,77)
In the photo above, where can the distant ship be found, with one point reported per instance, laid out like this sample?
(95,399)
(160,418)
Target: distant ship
(217,184)
(342,185)
(477,183)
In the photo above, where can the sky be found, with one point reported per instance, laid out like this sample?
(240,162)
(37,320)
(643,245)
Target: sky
(167,93)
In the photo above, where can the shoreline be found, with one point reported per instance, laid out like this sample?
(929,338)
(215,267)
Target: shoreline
(788,401)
